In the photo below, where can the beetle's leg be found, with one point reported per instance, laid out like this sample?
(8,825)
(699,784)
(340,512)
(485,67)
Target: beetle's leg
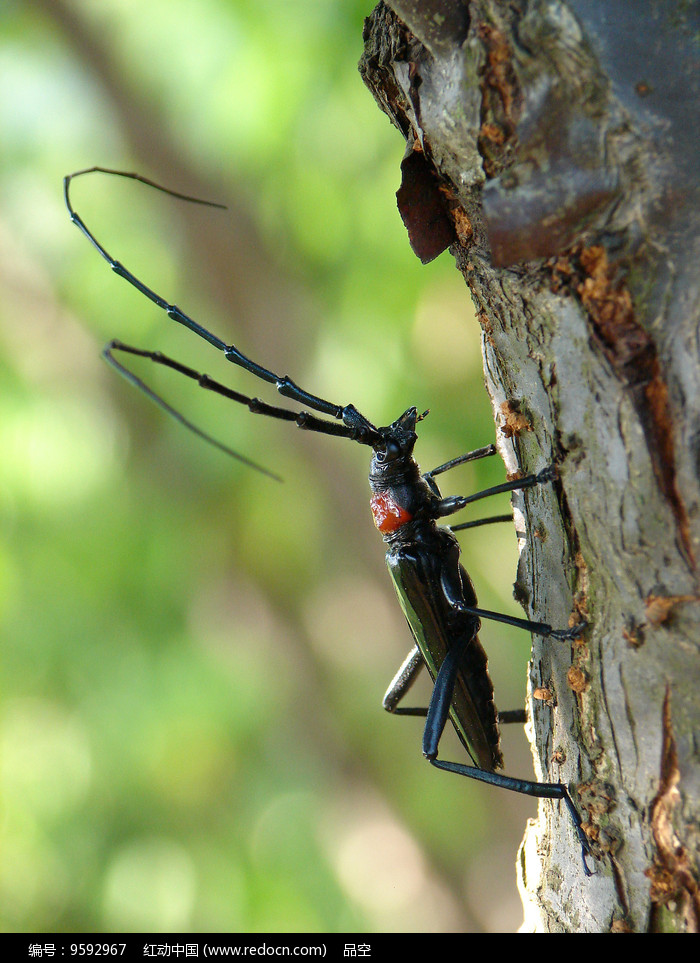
(460,460)
(511,716)
(540,790)
(406,676)
(539,628)
(484,452)
(441,699)
(435,722)
(453,591)
(491,520)
(455,503)
(402,682)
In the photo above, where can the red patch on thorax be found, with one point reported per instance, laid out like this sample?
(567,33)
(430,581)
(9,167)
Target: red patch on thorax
(388,515)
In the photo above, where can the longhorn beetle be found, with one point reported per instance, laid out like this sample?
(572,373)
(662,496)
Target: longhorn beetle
(435,591)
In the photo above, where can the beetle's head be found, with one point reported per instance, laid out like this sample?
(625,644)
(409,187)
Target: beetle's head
(396,444)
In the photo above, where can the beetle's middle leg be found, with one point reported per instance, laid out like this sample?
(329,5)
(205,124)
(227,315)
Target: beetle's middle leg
(453,590)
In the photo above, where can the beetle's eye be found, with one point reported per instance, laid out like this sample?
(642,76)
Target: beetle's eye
(392,450)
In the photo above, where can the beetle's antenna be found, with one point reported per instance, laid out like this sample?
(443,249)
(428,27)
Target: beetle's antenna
(362,430)
(173,412)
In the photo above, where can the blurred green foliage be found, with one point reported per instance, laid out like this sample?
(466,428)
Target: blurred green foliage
(193,655)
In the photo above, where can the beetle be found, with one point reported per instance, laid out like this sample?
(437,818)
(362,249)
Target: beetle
(423,557)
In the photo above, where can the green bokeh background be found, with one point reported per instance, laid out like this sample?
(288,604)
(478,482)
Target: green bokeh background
(193,655)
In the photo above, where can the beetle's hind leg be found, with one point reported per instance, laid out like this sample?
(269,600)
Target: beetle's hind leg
(435,722)
(402,682)
(511,716)
(404,679)
(540,790)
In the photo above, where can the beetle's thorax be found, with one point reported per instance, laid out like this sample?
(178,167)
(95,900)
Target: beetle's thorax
(401,498)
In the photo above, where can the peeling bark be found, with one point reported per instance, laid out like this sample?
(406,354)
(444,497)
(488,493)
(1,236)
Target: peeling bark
(555,138)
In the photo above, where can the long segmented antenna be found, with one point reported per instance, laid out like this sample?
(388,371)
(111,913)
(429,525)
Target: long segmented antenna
(351,424)
(164,406)
(303,419)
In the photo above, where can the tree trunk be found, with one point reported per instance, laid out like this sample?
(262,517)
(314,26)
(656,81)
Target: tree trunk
(549,146)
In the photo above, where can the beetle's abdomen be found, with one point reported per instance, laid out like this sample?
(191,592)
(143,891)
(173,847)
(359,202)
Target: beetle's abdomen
(476,680)
(418,578)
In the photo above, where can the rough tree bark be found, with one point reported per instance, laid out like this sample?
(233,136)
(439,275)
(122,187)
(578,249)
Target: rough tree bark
(549,145)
